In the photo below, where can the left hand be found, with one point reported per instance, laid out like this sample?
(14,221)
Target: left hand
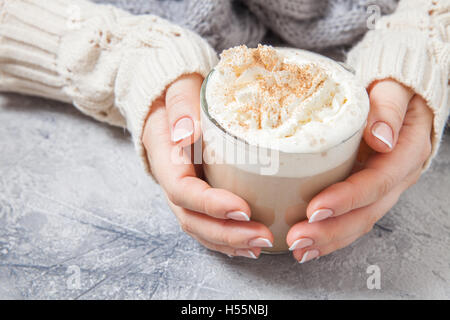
(217,218)
(398,133)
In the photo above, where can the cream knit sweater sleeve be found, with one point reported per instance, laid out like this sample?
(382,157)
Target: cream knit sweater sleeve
(412,47)
(110,64)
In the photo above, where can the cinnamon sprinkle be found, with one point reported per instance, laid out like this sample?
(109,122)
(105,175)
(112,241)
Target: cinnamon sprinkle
(278,84)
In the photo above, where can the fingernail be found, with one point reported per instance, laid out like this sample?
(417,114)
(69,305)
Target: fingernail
(246,253)
(320,215)
(183,128)
(301,243)
(309,255)
(238,216)
(384,133)
(260,243)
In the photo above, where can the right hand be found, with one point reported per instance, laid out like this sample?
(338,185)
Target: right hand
(217,218)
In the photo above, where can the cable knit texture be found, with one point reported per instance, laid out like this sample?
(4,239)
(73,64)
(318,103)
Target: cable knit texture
(111,64)
(411,46)
(223,23)
(309,24)
(317,25)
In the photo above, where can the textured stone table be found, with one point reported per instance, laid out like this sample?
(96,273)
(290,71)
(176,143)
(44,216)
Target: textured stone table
(80,220)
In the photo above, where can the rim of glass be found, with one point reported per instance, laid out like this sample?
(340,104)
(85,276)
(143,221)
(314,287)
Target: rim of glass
(228,135)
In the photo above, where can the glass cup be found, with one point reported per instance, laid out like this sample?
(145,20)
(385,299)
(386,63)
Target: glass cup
(277,185)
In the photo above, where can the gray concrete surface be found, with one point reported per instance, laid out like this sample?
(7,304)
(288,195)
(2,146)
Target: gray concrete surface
(73,197)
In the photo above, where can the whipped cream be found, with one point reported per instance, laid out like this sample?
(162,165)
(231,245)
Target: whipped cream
(285,99)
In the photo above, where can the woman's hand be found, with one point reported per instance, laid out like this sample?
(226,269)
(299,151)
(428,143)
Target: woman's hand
(398,134)
(217,218)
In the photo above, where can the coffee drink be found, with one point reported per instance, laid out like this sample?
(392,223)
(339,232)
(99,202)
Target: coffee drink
(280,125)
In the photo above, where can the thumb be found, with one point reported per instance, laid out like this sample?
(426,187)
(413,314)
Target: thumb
(183,109)
(388,105)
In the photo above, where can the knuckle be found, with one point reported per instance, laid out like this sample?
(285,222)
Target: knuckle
(175,192)
(175,99)
(226,235)
(356,195)
(173,196)
(385,184)
(392,108)
(185,226)
(204,204)
(426,151)
(330,235)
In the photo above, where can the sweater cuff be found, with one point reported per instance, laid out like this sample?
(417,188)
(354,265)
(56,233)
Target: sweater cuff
(110,64)
(30,38)
(145,74)
(29,42)
(413,59)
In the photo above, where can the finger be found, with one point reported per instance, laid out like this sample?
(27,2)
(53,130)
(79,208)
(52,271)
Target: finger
(173,169)
(252,253)
(183,109)
(388,104)
(309,241)
(308,254)
(236,234)
(418,122)
(333,234)
(382,171)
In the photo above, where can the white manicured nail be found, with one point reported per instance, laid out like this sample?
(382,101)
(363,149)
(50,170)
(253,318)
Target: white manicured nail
(238,216)
(320,215)
(301,243)
(246,253)
(260,243)
(183,128)
(383,132)
(309,255)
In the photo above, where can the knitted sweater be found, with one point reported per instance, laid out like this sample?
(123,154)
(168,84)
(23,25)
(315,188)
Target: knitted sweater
(111,65)
(307,24)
